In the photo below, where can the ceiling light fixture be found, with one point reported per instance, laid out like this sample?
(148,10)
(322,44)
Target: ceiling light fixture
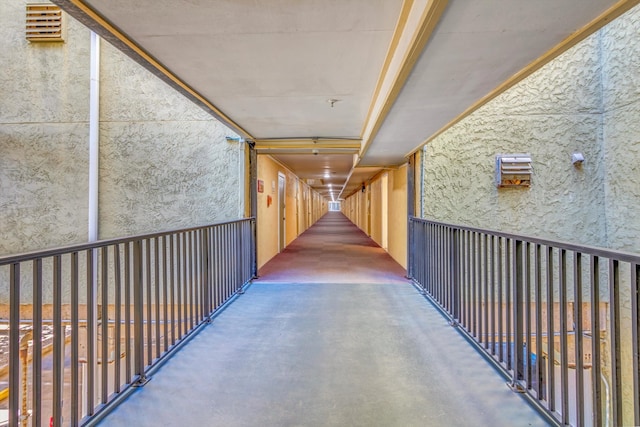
(332,101)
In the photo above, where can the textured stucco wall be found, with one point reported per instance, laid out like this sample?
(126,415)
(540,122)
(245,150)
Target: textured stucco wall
(586,100)
(43,154)
(164,162)
(551,114)
(620,43)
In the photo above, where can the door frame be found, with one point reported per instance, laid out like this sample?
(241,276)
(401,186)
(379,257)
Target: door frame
(282,212)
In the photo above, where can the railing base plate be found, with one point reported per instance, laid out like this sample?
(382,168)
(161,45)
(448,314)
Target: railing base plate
(516,387)
(141,382)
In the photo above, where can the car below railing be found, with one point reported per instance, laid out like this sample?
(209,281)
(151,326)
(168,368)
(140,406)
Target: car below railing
(84,324)
(560,320)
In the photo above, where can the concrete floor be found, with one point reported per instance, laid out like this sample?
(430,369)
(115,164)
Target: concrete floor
(338,353)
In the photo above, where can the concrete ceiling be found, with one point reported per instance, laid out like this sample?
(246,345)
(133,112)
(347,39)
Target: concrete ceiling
(360,83)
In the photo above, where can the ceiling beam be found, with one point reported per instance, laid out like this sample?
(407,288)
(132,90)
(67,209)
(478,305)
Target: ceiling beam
(307,146)
(418,20)
(305,150)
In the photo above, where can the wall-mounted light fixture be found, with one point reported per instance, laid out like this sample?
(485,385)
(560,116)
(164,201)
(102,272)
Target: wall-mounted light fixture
(513,170)
(577,159)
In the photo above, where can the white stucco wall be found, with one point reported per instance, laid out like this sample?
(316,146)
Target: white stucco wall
(621,131)
(586,100)
(164,162)
(44,98)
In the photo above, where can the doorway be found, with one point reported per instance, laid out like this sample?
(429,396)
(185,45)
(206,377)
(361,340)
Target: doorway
(282,223)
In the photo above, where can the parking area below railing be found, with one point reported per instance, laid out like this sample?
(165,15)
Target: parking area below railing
(560,320)
(85,323)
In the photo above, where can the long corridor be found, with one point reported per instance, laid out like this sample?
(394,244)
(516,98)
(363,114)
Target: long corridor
(331,334)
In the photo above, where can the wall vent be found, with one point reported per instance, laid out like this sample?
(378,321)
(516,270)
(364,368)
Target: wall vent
(44,23)
(513,170)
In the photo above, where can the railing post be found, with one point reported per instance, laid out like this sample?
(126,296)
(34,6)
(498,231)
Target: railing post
(138,307)
(518,286)
(455,277)
(14,344)
(239,259)
(206,267)
(410,257)
(410,213)
(253,200)
(616,371)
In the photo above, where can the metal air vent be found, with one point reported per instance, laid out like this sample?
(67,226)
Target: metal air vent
(44,23)
(513,170)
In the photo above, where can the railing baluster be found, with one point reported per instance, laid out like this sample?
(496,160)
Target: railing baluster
(564,368)
(37,344)
(455,274)
(577,316)
(148,302)
(474,284)
(138,312)
(539,334)
(14,344)
(127,312)
(156,301)
(517,255)
(173,259)
(74,341)
(226,265)
(493,295)
(468,280)
(500,303)
(596,372)
(165,293)
(104,323)
(178,289)
(485,300)
(616,378)
(92,325)
(117,318)
(206,261)
(58,342)
(185,283)
(551,397)
(508,295)
(193,277)
(526,311)
(635,339)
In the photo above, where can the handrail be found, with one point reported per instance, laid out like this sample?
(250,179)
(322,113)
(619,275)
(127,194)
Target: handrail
(78,247)
(508,294)
(594,250)
(101,316)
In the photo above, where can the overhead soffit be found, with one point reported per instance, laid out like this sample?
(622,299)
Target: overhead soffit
(476,47)
(268,67)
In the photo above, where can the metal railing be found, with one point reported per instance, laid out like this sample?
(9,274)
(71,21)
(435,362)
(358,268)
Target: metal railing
(559,320)
(85,323)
